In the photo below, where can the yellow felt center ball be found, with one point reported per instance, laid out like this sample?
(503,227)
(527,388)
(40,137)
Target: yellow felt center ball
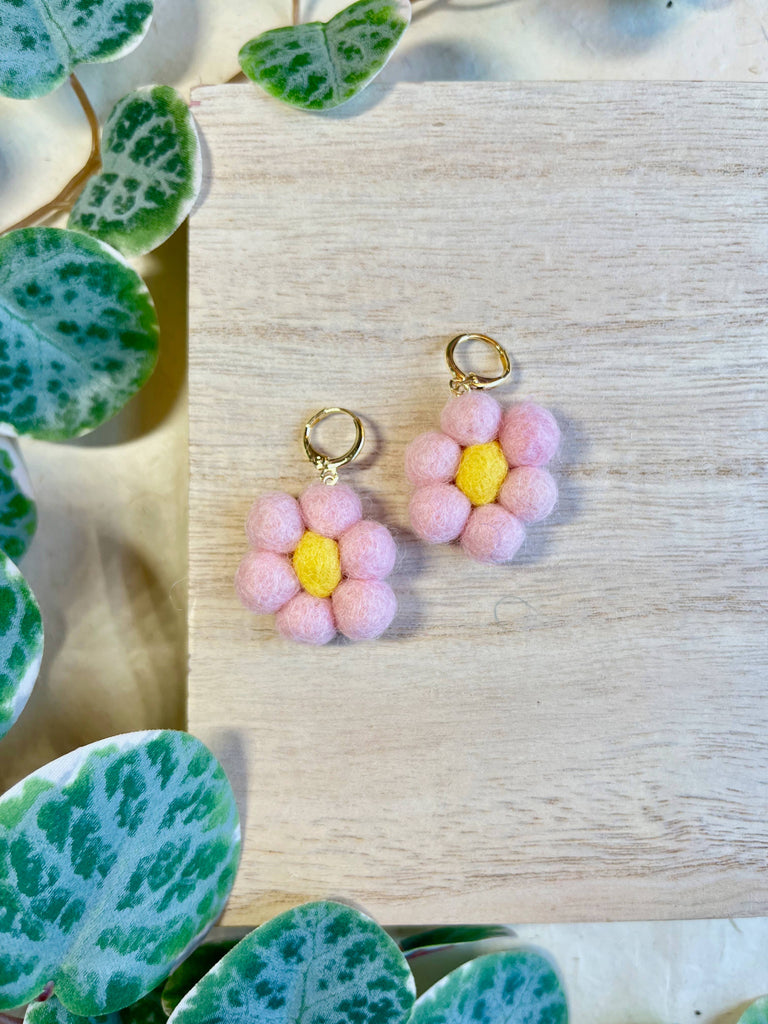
(482,470)
(317,564)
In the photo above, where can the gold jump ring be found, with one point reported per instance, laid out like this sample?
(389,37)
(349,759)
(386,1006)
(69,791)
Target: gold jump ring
(327,465)
(462,381)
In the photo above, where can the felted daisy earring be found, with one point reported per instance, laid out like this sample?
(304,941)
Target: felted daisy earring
(482,479)
(315,563)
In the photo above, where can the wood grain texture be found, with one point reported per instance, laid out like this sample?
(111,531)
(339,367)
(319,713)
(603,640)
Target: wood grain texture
(581,734)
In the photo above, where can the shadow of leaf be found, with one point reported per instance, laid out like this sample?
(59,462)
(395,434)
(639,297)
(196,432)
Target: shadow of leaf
(616,27)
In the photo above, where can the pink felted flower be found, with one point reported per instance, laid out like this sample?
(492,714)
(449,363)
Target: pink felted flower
(482,478)
(318,565)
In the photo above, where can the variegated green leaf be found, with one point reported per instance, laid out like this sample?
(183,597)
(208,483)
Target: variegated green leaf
(757,1013)
(146,1011)
(320,65)
(434,953)
(195,967)
(151,173)
(451,935)
(518,987)
(18,512)
(78,333)
(53,1012)
(322,962)
(42,41)
(21,651)
(113,861)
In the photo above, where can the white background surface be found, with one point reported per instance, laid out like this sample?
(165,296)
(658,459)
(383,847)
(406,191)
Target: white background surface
(109,562)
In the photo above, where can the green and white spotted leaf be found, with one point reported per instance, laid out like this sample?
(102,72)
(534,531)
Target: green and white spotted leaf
(18,511)
(757,1013)
(513,987)
(148,1010)
(321,962)
(195,967)
(42,41)
(78,333)
(53,1012)
(21,650)
(451,935)
(321,65)
(151,173)
(114,860)
(435,953)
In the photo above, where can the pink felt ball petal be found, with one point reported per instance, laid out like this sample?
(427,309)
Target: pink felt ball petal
(492,534)
(274,523)
(330,511)
(307,619)
(367,551)
(529,493)
(529,435)
(265,581)
(471,418)
(363,608)
(431,458)
(438,512)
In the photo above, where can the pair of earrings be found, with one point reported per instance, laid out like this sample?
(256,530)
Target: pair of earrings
(320,568)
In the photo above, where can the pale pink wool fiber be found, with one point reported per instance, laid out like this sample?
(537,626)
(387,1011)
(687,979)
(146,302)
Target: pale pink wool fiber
(363,608)
(529,435)
(492,534)
(330,511)
(367,551)
(307,619)
(264,581)
(274,523)
(439,512)
(471,418)
(431,458)
(529,493)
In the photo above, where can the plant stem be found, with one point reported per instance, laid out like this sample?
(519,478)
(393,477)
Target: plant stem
(47,992)
(74,185)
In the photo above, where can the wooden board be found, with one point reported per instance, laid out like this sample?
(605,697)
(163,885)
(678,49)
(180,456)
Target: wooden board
(582,734)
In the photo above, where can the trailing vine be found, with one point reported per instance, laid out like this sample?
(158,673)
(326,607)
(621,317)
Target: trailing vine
(78,328)
(70,191)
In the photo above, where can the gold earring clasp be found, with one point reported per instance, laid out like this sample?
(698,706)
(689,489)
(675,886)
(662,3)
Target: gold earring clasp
(461,381)
(326,465)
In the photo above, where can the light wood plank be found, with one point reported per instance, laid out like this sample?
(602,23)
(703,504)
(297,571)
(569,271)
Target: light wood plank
(582,734)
